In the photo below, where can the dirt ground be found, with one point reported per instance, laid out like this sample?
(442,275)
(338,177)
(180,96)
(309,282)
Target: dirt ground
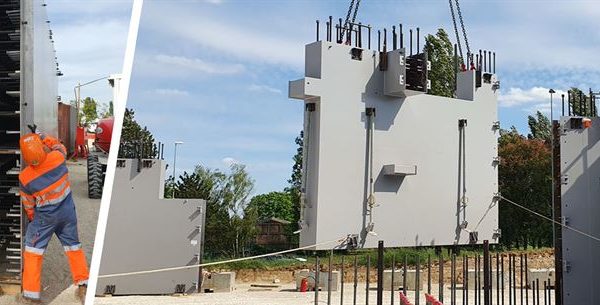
(287,295)
(56,276)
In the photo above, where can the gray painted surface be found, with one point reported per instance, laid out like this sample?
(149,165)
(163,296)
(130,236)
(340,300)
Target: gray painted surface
(146,232)
(580,165)
(39,81)
(419,130)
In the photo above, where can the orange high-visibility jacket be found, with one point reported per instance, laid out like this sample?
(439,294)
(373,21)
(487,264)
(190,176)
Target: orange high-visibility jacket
(48,183)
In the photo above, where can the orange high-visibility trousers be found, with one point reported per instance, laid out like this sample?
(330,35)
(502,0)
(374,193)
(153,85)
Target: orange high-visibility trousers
(78,264)
(32,272)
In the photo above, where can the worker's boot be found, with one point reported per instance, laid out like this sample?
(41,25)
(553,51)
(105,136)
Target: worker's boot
(80,293)
(23,300)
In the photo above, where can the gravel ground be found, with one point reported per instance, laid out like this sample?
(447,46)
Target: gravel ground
(56,275)
(286,295)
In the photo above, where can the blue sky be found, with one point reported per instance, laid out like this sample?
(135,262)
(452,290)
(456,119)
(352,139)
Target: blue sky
(90,39)
(214,74)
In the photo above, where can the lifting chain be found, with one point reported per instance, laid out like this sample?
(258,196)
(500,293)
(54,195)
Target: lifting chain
(346,23)
(462,24)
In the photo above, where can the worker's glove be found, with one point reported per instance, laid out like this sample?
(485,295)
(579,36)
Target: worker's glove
(35,130)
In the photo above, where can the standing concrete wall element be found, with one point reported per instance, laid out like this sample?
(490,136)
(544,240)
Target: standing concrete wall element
(580,173)
(417,173)
(28,95)
(146,232)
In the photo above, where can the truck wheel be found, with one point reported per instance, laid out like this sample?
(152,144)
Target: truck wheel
(94,177)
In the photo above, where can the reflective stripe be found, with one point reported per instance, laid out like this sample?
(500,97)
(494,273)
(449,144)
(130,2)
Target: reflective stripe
(72,248)
(45,180)
(31,295)
(55,196)
(34,250)
(57,200)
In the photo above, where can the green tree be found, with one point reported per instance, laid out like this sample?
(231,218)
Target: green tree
(581,104)
(440,53)
(524,177)
(134,137)
(229,230)
(540,127)
(108,110)
(88,112)
(274,204)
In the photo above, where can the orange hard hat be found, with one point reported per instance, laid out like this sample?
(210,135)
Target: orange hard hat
(32,149)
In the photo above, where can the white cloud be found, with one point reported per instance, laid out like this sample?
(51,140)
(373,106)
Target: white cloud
(245,43)
(198,64)
(229,161)
(170,91)
(264,88)
(521,97)
(214,1)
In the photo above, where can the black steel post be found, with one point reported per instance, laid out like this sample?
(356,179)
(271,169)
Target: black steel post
(330,28)
(441,278)
(418,282)
(394,38)
(521,277)
(429,274)
(526,282)
(497,278)
(453,279)
(401,37)
(368,280)
(316,281)
(563,104)
(510,284)
(329,278)
(502,277)
(317,30)
(355,279)
(410,41)
(342,282)
(380,273)
(486,273)
(418,41)
(404,274)
(393,278)
(514,280)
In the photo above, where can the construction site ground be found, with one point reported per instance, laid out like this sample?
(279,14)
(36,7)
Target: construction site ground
(286,293)
(56,275)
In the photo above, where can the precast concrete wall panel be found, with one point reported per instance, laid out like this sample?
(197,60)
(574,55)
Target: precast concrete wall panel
(146,232)
(416,149)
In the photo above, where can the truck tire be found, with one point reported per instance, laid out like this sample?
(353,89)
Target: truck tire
(95,177)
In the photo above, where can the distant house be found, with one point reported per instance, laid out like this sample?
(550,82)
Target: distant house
(272,233)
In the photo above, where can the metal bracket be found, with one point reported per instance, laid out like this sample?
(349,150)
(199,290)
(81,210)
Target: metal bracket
(497,196)
(496,125)
(565,220)
(496,85)
(566,266)
(473,237)
(352,241)
(564,179)
(496,161)
(497,234)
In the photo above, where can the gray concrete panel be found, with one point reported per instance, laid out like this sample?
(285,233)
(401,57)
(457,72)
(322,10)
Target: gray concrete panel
(419,130)
(146,232)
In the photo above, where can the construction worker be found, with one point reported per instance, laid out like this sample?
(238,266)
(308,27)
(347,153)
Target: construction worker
(47,200)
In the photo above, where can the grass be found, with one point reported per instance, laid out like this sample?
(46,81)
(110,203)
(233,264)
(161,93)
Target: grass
(412,255)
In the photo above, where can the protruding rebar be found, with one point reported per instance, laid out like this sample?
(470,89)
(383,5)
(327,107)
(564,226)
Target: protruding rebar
(394,38)
(401,37)
(317,30)
(484,60)
(494,63)
(359,39)
(378,40)
(411,42)
(418,41)
(329,31)
(369,37)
